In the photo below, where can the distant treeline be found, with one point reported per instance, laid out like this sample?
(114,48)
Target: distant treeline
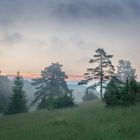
(51,90)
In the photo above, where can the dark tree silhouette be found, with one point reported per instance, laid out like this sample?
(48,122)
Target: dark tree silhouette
(50,85)
(17,103)
(103,70)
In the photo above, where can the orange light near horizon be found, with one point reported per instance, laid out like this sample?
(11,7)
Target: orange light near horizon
(24,75)
(34,75)
(75,77)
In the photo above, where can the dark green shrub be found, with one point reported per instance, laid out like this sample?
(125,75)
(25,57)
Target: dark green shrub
(138,92)
(113,93)
(118,93)
(56,102)
(64,101)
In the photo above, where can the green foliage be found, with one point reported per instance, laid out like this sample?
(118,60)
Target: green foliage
(123,89)
(129,92)
(113,92)
(64,101)
(118,93)
(56,102)
(51,88)
(138,92)
(17,102)
(88,121)
(5,91)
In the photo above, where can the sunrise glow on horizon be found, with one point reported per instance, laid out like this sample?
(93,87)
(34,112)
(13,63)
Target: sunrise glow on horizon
(35,75)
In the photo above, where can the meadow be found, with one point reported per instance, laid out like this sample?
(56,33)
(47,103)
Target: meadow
(87,121)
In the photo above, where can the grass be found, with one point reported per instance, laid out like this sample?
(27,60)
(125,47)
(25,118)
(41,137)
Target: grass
(89,121)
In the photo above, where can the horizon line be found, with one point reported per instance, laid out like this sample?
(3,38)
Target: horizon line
(35,75)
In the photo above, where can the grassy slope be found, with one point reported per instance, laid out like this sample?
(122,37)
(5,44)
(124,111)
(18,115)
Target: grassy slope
(89,121)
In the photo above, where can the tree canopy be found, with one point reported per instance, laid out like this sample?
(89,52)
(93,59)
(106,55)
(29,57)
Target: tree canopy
(50,85)
(103,68)
(17,102)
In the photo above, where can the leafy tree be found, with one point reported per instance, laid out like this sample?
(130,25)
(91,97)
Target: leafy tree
(125,71)
(17,103)
(50,86)
(103,70)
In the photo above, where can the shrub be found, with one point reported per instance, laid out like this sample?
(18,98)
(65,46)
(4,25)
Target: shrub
(64,101)
(56,102)
(118,93)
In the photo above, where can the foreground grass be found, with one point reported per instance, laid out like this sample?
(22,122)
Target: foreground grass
(89,121)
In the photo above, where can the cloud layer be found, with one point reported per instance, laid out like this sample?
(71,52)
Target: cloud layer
(69,9)
(34,33)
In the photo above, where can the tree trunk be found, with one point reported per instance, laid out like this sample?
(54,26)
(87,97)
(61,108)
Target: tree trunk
(101,79)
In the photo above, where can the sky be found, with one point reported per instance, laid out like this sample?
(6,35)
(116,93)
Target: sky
(35,33)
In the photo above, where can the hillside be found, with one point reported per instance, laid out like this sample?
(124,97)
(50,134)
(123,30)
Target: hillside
(88,121)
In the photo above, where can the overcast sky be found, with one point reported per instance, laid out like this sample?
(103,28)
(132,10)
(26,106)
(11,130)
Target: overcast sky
(35,33)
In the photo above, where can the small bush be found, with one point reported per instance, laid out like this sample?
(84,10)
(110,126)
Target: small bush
(64,101)
(56,102)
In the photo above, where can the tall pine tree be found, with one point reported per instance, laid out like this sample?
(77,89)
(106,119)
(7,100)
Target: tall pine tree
(17,103)
(103,69)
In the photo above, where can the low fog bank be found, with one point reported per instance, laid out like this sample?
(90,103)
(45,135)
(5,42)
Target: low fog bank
(6,90)
(78,90)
